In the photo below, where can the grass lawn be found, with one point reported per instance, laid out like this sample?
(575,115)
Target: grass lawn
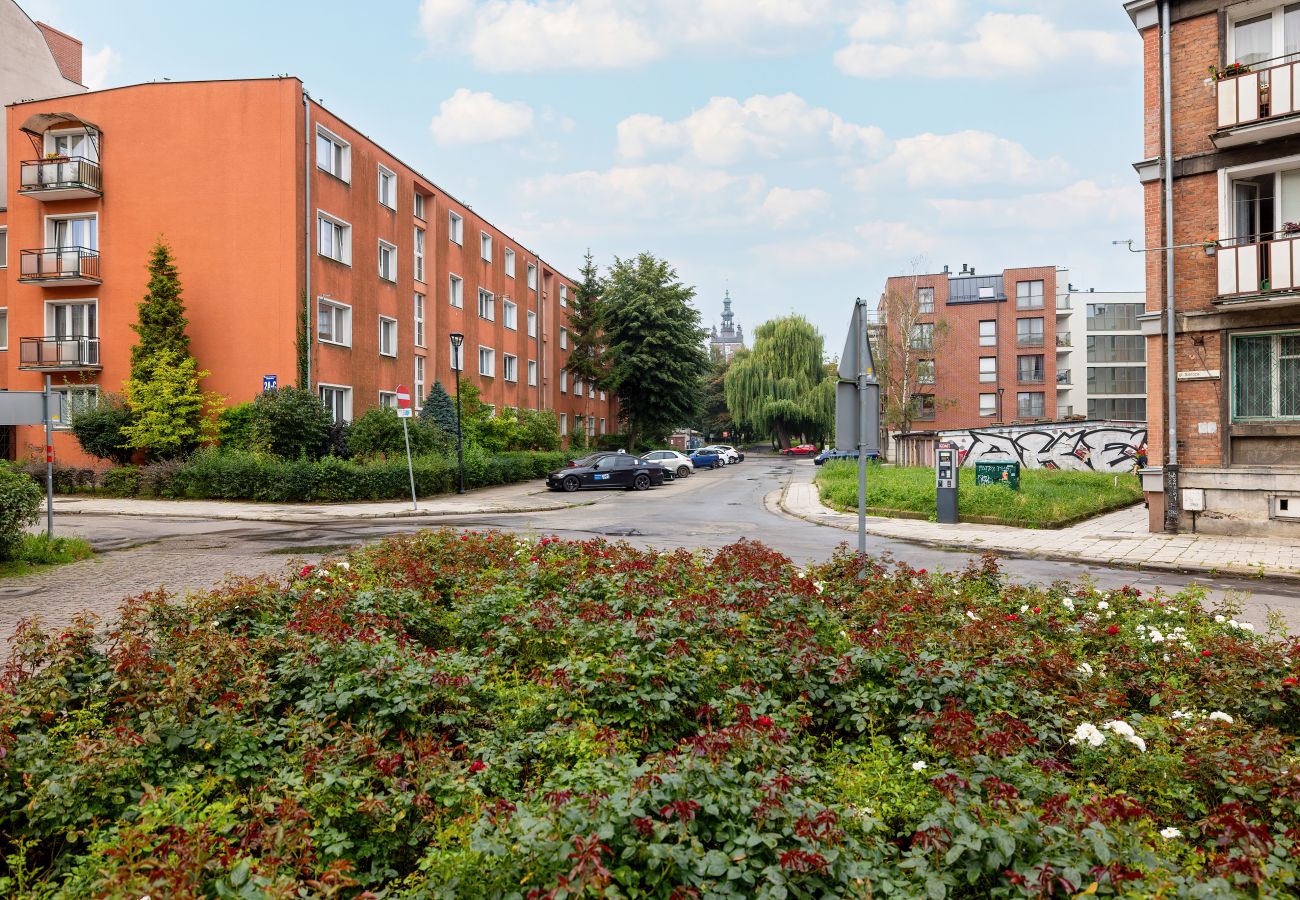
(39,552)
(1046,499)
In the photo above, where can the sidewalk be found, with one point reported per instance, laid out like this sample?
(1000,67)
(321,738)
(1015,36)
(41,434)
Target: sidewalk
(525,497)
(1117,539)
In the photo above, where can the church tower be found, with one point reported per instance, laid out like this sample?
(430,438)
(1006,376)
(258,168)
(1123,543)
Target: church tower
(725,341)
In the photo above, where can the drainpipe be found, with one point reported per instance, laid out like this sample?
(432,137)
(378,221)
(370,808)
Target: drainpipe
(541,333)
(1171,373)
(306,258)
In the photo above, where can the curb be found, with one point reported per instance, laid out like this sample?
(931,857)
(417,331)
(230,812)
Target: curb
(1232,571)
(319,518)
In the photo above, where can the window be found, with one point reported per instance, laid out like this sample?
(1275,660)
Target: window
(4,329)
(1124,409)
(510,367)
(989,333)
(532,324)
(602,395)
(988,404)
(532,276)
(72,320)
(387,400)
(72,231)
(387,188)
(456,291)
(418,319)
(1117,380)
(72,401)
(456,364)
(419,254)
(1029,404)
(988,368)
(532,373)
(564,295)
(4,247)
(925,408)
(338,400)
(334,240)
(564,381)
(1029,295)
(1113,316)
(509,315)
(577,387)
(1029,332)
(564,339)
(387,261)
(510,263)
(1273,34)
(417,399)
(487,362)
(455,228)
(925,371)
(486,305)
(75,143)
(925,300)
(1116,348)
(387,336)
(922,336)
(333,323)
(1029,369)
(485,246)
(419,205)
(333,154)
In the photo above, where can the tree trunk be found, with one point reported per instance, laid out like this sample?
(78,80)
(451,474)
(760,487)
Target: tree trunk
(631,436)
(782,437)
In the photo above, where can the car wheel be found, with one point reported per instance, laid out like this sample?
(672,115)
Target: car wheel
(570,484)
(641,483)
(683,471)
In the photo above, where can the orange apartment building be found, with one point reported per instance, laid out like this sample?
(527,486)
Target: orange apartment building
(1221,174)
(274,207)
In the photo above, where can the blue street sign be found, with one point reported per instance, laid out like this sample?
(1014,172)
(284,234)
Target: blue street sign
(268,383)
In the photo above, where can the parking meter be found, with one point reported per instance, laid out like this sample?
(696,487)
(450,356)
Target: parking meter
(947,474)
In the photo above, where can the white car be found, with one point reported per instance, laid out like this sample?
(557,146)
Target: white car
(730,455)
(679,464)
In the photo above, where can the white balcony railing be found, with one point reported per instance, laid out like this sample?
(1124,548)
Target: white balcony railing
(1269,90)
(1255,268)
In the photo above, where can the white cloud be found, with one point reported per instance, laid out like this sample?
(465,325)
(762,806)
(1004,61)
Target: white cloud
(894,239)
(98,68)
(655,193)
(784,207)
(870,242)
(1082,204)
(727,131)
(475,117)
(734,21)
(933,39)
(962,158)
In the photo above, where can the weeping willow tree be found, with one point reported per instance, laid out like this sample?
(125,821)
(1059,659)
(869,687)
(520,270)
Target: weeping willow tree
(781,388)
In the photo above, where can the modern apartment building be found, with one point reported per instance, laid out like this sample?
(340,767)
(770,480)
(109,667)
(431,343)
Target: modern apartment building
(275,208)
(1221,173)
(1101,355)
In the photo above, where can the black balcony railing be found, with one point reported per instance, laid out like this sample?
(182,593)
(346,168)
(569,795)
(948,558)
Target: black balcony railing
(54,352)
(71,175)
(70,264)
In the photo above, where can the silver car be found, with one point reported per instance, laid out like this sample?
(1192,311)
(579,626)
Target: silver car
(679,464)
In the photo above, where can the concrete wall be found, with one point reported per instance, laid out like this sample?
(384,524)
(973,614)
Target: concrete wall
(1087,446)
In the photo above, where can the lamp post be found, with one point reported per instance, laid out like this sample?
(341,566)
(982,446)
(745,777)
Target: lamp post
(1001,391)
(456,340)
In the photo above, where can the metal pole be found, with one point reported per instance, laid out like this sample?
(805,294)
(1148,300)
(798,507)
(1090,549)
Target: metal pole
(49,461)
(460,453)
(410,469)
(864,355)
(1172,516)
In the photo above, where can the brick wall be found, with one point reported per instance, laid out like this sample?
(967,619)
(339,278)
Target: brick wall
(65,49)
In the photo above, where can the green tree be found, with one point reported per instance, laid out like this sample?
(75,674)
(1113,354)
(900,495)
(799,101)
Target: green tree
(99,430)
(715,416)
(538,430)
(780,388)
(290,422)
(379,431)
(167,405)
(21,499)
(656,346)
(160,317)
(588,359)
(440,409)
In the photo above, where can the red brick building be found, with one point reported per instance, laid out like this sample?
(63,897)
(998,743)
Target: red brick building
(1222,193)
(274,207)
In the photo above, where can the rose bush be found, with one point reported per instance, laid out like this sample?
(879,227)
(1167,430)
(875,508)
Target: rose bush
(476,715)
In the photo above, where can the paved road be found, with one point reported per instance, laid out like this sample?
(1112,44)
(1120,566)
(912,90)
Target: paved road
(708,509)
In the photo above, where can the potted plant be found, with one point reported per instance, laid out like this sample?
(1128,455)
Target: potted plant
(1229,71)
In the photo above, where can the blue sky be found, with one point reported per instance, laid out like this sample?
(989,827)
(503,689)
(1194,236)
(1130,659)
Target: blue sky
(796,151)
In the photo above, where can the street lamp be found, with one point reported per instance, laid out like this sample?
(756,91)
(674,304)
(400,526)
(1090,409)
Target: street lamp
(1001,391)
(456,340)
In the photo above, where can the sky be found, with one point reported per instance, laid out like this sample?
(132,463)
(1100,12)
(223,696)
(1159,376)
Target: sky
(794,152)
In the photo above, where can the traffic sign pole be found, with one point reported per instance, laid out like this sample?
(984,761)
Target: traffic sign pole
(864,422)
(404,412)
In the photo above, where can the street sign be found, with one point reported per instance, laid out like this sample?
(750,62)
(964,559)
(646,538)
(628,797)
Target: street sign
(269,383)
(403,397)
(857,407)
(851,358)
(405,413)
(23,407)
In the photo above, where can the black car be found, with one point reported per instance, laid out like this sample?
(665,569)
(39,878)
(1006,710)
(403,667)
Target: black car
(612,470)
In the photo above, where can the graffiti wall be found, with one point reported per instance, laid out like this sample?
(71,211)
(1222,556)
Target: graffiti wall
(1087,446)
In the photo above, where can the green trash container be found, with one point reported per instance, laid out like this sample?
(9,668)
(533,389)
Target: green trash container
(1007,473)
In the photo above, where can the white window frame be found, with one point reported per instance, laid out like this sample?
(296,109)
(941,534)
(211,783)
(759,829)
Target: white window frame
(487,303)
(388,400)
(992,405)
(510,263)
(510,367)
(345,227)
(50,138)
(1245,11)
(387,320)
(532,373)
(509,314)
(577,387)
(49,316)
(485,246)
(387,176)
(346,175)
(4,246)
(336,306)
(490,355)
(564,381)
(564,338)
(417,318)
(532,277)
(602,396)
(532,324)
(50,225)
(988,340)
(602,425)
(346,391)
(417,400)
(4,327)
(418,253)
(66,404)
(1029,296)
(988,376)
(564,425)
(564,295)
(392,257)
(417,206)
(456,228)
(456,291)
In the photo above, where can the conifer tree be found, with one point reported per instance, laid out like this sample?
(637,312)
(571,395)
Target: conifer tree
(160,317)
(588,359)
(440,409)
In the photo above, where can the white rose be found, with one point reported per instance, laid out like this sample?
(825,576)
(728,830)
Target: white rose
(918,766)
(1221,717)
(1170,833)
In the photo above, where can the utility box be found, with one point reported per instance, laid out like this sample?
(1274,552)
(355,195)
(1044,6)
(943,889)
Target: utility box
(947,475)
(1007,473)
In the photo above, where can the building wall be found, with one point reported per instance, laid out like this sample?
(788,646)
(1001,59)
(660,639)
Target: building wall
(1082,447)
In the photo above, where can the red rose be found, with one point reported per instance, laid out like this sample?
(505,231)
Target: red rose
(920,571)
(1012,617)
(1289,682)
(477,766)
(907,607)
(1114,629)
(1205,653)
(1037,610)
(306,570)
(763,722)
(532,559)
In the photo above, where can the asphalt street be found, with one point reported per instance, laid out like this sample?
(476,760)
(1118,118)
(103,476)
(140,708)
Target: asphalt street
(708,509)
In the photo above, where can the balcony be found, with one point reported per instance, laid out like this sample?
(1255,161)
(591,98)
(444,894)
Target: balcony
(1029,340)
(59,266)
(58,354)
(1252,269)
(1063,379)
(1063,340)
(1259,103)
(60,178)
(1030,378)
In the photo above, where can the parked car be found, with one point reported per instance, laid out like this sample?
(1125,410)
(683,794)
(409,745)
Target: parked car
(729,454)
(801,450)
(706,459)
(608,470)
(589,459)
(678,464)
(827,455)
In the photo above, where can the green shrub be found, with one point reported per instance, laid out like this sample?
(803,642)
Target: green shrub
(379,432)
(123,481)
(539,429)
(156,477)
(235,427)
(20,506)
(99,430)
(290,422)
